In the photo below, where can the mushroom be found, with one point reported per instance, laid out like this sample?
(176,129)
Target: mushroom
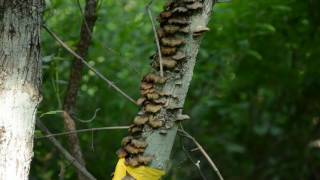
(139,143)
(140,120)
(170,29)
(179,10)
(145,85)
(155,123)
(179,56)
(126,140)
(144,159)
(140,101)
(165,14)
(152,108)
(153,78)
(135,129)
(132,161)
(195,6)
(131,149)
(121,153)
(181,21)
(153,96)
(167,51)
(181,117)
(172,41)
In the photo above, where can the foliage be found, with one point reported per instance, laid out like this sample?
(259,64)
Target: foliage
(254,99)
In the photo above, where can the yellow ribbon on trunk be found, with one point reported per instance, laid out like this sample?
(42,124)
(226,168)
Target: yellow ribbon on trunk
(139,173)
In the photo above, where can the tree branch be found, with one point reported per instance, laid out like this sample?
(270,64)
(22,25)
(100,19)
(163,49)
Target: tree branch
(64,152)
(155,36)
(187,153)
(205,154)
(109,82)
(85,130)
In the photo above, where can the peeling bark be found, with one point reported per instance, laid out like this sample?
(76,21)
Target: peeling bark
(20,73)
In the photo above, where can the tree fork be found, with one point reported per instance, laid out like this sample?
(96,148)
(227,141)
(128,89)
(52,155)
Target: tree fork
(89,19)
(182,24)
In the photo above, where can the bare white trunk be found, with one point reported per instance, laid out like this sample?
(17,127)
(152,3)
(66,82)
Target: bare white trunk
(19,84)
(17,117)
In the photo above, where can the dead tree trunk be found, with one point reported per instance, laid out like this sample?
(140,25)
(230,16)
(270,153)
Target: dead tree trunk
(20,72)
(75,80)
(152,135)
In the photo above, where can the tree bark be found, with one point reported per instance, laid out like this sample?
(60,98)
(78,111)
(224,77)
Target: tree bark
(182,25)
(20,79)
(75,81)
(177,87)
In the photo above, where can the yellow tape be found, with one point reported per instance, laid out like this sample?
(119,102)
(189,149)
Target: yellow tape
(139,173)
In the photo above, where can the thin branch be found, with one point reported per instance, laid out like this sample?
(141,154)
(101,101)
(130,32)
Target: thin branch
(110,83)
(192,161)
(205,154)
(84,130)
(88,29)
(155,36)
(87,120)
(64,152)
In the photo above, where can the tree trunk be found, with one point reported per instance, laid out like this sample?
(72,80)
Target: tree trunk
(177,87)
(20,63)
(75,81)
(182,24)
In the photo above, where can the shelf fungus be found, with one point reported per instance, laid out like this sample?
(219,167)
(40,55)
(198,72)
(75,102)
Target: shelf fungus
(167,51)
(179,56)
(121,153)
(181,21)
(179,10)
(172,41)
(153,78)
(182,117)
(147,91)
(195,6)
(152,108)
(163,131)
(145,85)
(145,160)
(126,140)
(167,63)
(140,120)
(171,29)
(155,123)
(139,143)
(138,160)
(199,30)
(161,101)
(189,1)
(161,32)
(140,101)
(133,150)
(165,14)
(153,96)
(135,129)
(132,161)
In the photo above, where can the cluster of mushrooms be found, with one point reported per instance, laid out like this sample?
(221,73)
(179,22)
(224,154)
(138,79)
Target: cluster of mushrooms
(174,29)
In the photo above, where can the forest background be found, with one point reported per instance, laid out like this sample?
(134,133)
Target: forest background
(254,99)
